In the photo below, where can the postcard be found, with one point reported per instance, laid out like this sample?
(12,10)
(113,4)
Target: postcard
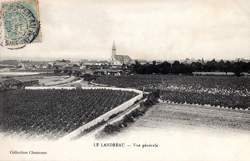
(124,80)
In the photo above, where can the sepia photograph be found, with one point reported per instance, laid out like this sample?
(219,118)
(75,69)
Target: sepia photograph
(124,80)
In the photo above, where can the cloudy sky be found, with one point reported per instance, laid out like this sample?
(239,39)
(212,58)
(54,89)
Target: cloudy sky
(144,29)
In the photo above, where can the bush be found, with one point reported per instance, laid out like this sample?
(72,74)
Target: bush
(109,129)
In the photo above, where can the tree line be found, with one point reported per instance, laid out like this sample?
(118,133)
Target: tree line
(177,67)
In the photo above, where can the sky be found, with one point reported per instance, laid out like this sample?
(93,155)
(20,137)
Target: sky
(142,29)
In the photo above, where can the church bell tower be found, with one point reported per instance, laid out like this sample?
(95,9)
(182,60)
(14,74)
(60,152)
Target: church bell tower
(113,52)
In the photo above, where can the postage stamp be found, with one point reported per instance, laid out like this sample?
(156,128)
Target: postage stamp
(20,24)
(1,28)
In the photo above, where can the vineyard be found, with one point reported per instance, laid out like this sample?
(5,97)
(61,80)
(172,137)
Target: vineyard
(228,91)
(230,101)
(55,111)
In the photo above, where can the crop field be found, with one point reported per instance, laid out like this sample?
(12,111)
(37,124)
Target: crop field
(240,85)
(55,111)
(228,91)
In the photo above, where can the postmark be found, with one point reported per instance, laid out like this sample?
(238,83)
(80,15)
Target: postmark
(20,23)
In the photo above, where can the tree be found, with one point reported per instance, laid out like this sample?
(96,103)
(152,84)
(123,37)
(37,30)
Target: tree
(238,68)
(164,68)
(176,67)
(196,66)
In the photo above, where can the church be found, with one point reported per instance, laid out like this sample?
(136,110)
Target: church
(119,59)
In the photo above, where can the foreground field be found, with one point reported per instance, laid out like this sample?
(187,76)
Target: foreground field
(163,115)
(188,132)
(56,111)
(164,125)
(227,91)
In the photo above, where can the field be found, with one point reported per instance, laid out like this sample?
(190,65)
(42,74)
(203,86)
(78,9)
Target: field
(55,111)
(188,131)
(44,79)
(165,115)
(228,91)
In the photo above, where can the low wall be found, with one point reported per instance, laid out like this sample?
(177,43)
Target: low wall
(71,88)
(50,87)
(103,117)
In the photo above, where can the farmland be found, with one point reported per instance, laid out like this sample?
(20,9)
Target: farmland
(44,79)
(55,111)
(164,115)
(191,131)
(228,91)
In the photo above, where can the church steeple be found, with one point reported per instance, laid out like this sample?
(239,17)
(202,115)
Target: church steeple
(119,59)
(113,49)
(113,53)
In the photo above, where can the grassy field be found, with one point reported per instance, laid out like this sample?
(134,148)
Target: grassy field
(163,115)
(187,131)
